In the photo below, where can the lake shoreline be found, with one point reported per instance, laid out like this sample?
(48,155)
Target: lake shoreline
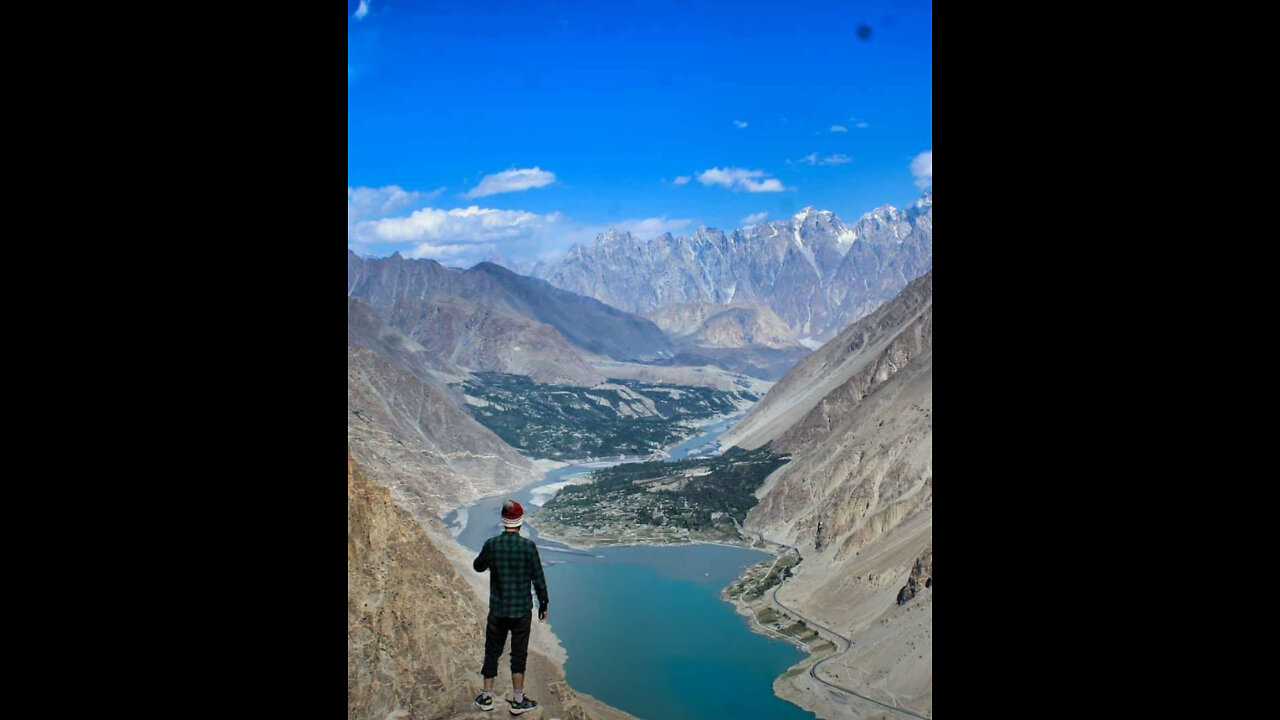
(813,649)
(577,544)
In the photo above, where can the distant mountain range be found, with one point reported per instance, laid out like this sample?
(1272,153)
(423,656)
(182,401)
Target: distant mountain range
(811,270)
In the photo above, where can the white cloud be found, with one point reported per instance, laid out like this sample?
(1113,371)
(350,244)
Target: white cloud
(740,179)
(839,128)
(362,10)
(366,203)
(754,218)
(653,227)
(770,185)
(468,225)
(813,159)
(511,181)
(462,237)
(467,252)
(922,168)
(862,125)
(682,180)
(740,123)
(727,177)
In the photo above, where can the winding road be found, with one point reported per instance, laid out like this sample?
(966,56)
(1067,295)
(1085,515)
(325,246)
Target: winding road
(813,670)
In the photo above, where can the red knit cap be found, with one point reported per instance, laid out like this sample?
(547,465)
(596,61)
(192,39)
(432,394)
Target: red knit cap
(512,514)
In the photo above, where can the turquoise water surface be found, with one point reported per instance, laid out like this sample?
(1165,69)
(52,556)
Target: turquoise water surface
(647,632)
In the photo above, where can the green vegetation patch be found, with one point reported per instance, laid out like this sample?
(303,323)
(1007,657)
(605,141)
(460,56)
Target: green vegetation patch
(620,417)
(767,615)
(702,494)
(781,569)
(823,647)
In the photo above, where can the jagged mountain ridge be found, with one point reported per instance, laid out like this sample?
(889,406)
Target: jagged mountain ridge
(813,271)
(408,294)
(857,497)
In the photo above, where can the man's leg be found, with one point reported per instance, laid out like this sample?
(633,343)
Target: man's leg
(495,636)
(519,653)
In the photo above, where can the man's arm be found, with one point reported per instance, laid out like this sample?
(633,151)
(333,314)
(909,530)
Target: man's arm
(481,562)
(539,583)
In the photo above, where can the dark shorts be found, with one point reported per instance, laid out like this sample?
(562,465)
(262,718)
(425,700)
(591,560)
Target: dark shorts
(495,637)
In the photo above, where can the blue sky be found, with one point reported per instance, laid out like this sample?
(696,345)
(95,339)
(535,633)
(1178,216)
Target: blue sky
(522,127)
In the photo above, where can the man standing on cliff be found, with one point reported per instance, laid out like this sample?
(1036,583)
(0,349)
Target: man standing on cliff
(513,563)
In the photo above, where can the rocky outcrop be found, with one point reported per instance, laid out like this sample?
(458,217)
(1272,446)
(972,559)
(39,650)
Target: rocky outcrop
(921,577)
(414,628)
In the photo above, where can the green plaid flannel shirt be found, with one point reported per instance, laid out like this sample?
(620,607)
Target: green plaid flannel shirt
(512,562)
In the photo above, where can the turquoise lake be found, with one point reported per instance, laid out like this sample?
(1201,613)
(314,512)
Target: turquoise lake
(647,632)
(644,626)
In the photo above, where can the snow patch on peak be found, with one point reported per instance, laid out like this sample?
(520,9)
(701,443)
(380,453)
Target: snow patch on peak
(883,214)
(810,211)
(613,236)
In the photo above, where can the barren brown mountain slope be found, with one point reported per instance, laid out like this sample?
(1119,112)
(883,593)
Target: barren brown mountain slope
(489,312)
(830,366)
(745,327)
(415,627)
(483,338)
(857,500)
(411,433)
(732,325)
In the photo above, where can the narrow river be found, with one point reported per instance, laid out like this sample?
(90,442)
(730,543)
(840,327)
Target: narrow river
(644,626)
